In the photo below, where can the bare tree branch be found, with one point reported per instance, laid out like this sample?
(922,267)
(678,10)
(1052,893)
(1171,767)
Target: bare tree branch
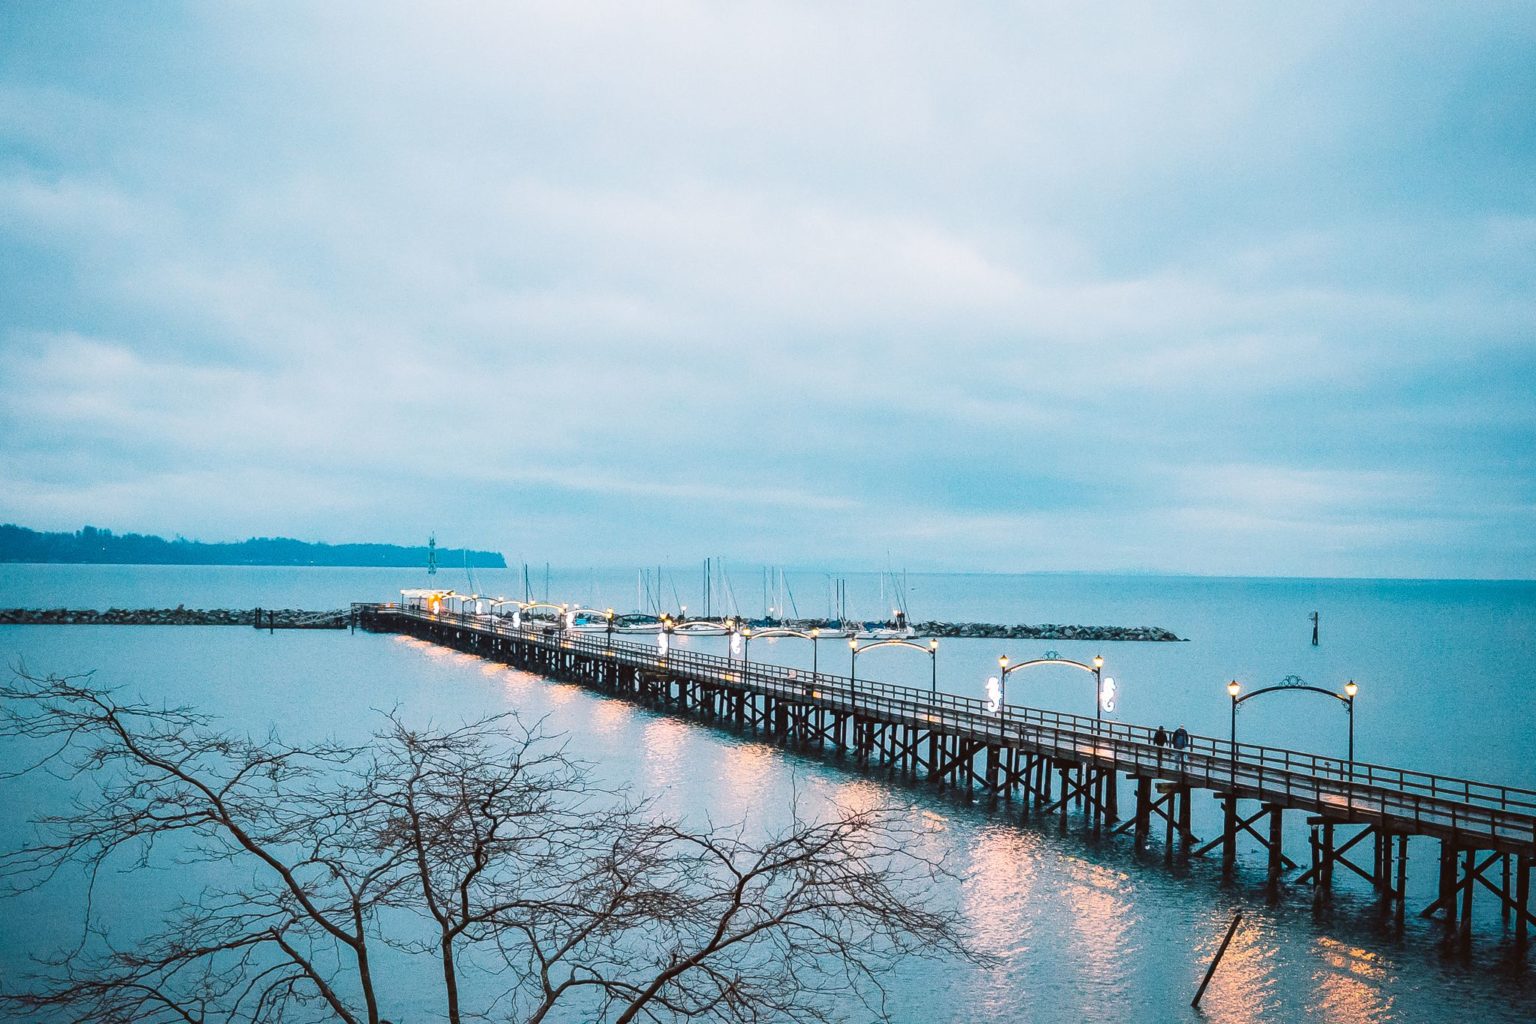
(559,896)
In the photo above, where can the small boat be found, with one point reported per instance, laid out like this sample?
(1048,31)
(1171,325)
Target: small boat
(636,622)
(895,628)
(701,627)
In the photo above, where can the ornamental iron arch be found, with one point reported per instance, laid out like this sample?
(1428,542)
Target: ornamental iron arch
(1103,690)
(1293,684)
(741,641)
(931,648)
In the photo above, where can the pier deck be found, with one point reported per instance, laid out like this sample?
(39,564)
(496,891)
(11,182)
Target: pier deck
(1051,760)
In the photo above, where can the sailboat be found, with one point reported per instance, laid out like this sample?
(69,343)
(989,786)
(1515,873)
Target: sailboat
(639,621)
(898,626)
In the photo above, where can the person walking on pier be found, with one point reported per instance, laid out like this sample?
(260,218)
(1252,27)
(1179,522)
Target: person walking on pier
(1160,740)
(1180,742)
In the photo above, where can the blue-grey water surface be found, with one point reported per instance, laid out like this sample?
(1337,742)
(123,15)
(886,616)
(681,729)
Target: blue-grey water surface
(1087,930)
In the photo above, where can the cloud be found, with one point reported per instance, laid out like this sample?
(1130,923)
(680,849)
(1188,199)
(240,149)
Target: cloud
(1187,289)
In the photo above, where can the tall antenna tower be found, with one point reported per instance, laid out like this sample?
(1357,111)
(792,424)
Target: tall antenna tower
(432,555)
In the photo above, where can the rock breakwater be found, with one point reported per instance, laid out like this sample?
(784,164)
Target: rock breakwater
(1047,631)
(995,631)
(262,618)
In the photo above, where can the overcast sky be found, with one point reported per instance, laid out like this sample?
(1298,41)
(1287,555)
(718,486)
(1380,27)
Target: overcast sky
(1215,288)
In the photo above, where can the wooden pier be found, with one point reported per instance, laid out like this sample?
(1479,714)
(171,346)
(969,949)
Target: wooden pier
(1358,816)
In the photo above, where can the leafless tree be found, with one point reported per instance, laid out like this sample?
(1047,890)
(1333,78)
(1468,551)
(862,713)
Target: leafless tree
(539,894)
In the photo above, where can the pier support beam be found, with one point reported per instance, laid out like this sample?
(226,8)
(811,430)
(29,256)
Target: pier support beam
(1143,819)
(1277,858)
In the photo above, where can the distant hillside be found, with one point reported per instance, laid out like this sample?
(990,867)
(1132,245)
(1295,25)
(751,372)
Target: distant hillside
(19,544)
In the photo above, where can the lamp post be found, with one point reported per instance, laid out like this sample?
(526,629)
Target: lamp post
(933,669)
(609,616)
(1233,689)
(1098,691)
(815,650)
(853,683)
(1350,689)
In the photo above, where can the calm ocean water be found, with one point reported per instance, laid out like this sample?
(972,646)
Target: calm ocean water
(1087,930)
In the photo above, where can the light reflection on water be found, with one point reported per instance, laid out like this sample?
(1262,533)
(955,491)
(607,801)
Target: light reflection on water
(999,888)
(610,718)
(561,694)
(662,741)
(1245,985)
(747,769)
(1349,983)
(1103,917)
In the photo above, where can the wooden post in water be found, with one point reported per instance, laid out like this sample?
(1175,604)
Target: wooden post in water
(1143,809)
(1065,797)
(1466,894)
(1231,931)
(1447,898)
(1185,836)
(1276,862)
(1229,834)
(1522,899)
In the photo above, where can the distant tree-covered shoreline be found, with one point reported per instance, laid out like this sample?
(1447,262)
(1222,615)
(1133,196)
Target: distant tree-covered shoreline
(19,544)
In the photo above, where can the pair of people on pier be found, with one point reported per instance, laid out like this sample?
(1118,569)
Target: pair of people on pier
(1180,741)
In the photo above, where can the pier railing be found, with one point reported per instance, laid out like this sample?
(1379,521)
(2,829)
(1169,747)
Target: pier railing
(1433,802)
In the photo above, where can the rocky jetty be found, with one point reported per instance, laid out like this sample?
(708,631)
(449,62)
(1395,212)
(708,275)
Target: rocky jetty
(994,631)
(1047,631)
(262,618)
